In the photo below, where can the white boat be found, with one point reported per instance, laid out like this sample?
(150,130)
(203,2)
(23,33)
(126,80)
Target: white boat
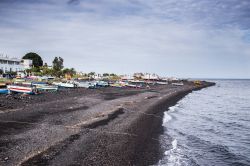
(47,88)
(39,83)
(67,85)
(133,86)
(162,83)
(56,83)
(178,83)
(21,89)
(102,84)
(23,83)
(85,84)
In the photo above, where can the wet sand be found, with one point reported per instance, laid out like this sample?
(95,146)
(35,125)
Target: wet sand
(105,126)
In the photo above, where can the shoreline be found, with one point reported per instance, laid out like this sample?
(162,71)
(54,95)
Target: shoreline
(153,152)
(93,129)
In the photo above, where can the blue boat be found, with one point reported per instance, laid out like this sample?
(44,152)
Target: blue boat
(4,91)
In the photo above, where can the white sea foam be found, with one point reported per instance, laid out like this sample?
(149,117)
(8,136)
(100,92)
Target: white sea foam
(174,156)
(174,144)
(173,108)
(173,149)
(166,118)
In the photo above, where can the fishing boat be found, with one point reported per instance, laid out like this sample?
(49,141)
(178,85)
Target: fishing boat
(92,85)
(102,84)
(19,80)
(178,83)
(56,83)
(67,85)
(117,85)
(4,91)
(161,83)
(39,83)
(21,89)
(47,88)
(133,86)
(25,83)
(86,84)
(2,84)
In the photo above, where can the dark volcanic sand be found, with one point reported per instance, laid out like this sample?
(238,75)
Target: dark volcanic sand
(105,126)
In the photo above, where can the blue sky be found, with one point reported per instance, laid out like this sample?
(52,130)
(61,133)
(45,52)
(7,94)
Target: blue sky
(184,38)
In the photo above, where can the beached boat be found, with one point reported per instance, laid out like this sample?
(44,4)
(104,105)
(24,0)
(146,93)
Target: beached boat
(39,83)
(82,84)
(85,84)
(47,88)
(102,84)
(161,83)
(117,85)
(2,84)
(92,85)
(19,80)
(56,83)
(137,81)
(67,85)
(178,83)
(133,86)
(22,89)
(24,83)
(4,91)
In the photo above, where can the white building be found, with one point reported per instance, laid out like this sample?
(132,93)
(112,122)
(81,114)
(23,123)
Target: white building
(14,64)
(26,63)
(127,77)
(97,76)
(148,76)
(10,64)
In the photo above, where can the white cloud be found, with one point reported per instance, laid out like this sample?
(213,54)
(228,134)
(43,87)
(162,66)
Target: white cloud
(91,41)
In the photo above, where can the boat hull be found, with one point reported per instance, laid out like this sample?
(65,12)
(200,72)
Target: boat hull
(48,88)
(21,89)
(2,84)
(4,91)
(66,85)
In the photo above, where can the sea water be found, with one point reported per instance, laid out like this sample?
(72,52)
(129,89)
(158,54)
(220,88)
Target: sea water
(209,127)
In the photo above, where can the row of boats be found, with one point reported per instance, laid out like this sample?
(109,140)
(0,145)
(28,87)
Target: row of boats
(38,87)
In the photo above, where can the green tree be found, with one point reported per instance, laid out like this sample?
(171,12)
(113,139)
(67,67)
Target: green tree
(45,65)
(58,64)
(105,74)
(34,70)
(46,71)
(91,74)
(36,59)
(70,71)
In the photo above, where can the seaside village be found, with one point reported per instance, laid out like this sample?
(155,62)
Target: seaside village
(30,75)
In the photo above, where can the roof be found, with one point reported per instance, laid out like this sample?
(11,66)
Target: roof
(9,59)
